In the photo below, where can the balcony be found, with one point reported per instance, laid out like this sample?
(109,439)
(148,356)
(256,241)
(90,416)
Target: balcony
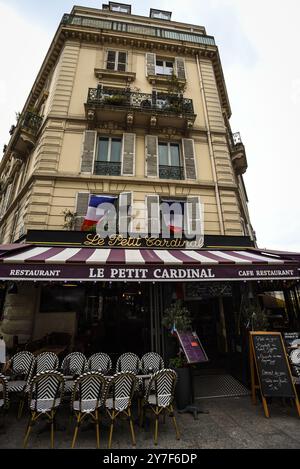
(23,135)
(141,109)
(107,168)
(238,153)
(171,172)
(31,122)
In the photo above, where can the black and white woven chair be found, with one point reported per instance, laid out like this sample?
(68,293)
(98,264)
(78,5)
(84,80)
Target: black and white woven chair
(128,362)
(117,400)
(100,362)
(74,364)
(44,397)
(46,361)
(159,398)
(87,398)
(19,365)
(151,362)
(3,393)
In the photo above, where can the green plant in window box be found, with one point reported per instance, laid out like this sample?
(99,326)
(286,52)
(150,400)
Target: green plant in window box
(116,100)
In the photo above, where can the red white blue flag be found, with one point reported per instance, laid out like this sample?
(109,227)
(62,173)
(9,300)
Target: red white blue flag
(97,210)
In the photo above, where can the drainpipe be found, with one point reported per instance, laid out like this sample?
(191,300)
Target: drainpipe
(211,152)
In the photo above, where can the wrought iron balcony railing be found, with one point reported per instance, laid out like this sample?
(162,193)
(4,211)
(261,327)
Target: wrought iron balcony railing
(31,121)
(158,102)
(171,172)
(107,168)
(130,28)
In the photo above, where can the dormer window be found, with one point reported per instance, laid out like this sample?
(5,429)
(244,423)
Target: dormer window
(120,8)
(160,14)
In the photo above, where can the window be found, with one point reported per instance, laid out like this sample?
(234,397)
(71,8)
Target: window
(164,67)
(109,149)
(160,14)
(120,7)
(116,60)
(169,161)
(108,156)
(169,154)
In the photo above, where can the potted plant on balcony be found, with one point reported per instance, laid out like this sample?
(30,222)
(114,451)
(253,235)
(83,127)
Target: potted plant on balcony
(176,88)
(116,100)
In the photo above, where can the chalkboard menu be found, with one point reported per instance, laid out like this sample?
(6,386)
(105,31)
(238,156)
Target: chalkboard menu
(268,357)
(192,347)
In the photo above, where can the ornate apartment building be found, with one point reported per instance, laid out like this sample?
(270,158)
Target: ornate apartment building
(126,105)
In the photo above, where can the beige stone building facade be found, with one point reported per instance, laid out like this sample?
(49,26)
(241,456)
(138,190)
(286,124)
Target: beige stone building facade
(123,105)
(53,159)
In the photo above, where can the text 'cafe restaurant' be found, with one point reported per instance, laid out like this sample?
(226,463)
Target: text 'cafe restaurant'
(93,294)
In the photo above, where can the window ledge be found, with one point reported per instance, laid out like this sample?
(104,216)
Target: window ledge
(115,74)
(162,79)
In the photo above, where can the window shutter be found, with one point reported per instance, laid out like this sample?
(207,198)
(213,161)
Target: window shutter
(82,203)
(152,155)
(150,63)
(189,158)
(180,68)
(194,216)
(128,155)
(125,211)
(87,159)
(6,199)
(153,214)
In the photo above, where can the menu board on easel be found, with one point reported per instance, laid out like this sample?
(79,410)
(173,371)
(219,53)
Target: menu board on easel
(270,370)
(192,347)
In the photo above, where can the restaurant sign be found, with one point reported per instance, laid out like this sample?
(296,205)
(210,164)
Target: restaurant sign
(63,272)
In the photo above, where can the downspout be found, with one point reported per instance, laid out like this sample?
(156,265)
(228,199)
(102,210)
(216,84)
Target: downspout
(211,152)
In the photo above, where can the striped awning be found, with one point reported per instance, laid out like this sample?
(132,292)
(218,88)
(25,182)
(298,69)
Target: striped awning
(30,262)
(56,255)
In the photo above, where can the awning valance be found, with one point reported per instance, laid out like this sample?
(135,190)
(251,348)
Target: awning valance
(88,264)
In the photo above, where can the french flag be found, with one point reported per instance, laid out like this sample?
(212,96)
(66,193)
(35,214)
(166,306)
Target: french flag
(95,212)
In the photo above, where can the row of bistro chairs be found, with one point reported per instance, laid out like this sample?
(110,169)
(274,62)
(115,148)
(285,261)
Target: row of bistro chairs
(95,388)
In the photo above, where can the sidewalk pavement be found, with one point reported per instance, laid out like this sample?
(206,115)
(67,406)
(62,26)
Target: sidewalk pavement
(232,423)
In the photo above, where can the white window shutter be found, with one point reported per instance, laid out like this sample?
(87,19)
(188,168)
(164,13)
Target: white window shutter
(125,212)
(152,156)
(153,214)
(87,158)
(128,155)
(180,68)
(188,149)
(150,63)
(194,216)
(82,202)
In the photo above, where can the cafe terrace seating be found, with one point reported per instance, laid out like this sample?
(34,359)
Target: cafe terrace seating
(44,397)
(87,398)
(159,398)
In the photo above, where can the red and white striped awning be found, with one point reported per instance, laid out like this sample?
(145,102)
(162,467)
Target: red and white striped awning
(41,263)
(61,255)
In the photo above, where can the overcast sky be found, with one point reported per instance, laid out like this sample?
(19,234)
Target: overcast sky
(259,45)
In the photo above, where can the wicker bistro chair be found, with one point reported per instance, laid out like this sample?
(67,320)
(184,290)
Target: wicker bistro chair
(19,365)
(100,362)
(128,362)
(87,398)
(44,397)
(74,364)
(46,361)
(117,400)
(159,398)
(151,362)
